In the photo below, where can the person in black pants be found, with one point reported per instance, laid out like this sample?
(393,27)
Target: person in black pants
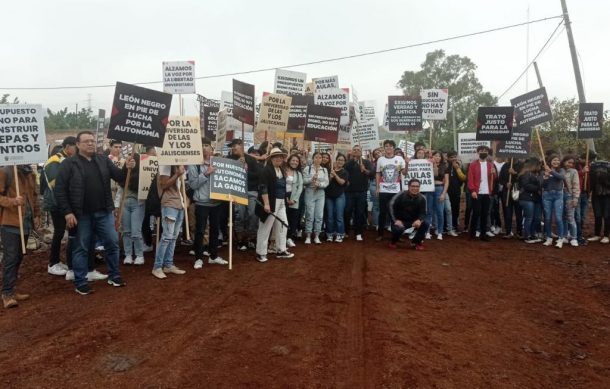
(389,168)
(456,180)
(408,212)
(360,172)
(481,177)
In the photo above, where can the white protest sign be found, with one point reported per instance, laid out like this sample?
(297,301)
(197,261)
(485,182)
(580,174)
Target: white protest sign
(179,77)
(467,145)
(434,104)
(288,82)
(23,139)
(422,170)
(410,149)
(182,144)
(334,97)
(331,82)
(275,111)
(366,134)
(221,131)
(226,102)
(367,110)
(149,168)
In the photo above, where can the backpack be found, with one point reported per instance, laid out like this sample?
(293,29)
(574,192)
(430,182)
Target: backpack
(153,200)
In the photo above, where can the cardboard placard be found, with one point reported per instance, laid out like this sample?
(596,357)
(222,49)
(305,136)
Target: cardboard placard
(434,104)
(149,168)
(330,82)
(23,138)
(367,110)
(334,97)
(322,124)
(467,145)
(139,115)
(298,114)
(288,82)
(532,108)
(101,120)
(275,111)
(179,77)
(182,144)
(404,113)
(590,120)
(518,146)
(366,134)
(494,123)
(229,180)
(221,132)
(210,122)
(422,170)
(243,102)
(226,102)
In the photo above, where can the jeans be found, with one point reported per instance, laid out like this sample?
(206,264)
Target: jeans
(202,214)
(581,213)
(131,227)
(59,230)
(531,217)
(494,211)
(314,210)
(272,223)
(384,211)
(246,221)
(454,199)
(293,222)
(98,224)
(601,213)
(11,261)
(480,211)
(448,215)
(335,209)
(355,207)
(171,220)
(420,233)
(430,207)
(468,210)
(439,208)
(569,221)
(552,201)
(374,202)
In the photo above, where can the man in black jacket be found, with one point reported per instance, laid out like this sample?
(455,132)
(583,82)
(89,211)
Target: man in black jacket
(408,212)
(360,172)
(84,197)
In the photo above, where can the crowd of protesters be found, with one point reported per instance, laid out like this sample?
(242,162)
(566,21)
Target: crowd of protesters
(294,196)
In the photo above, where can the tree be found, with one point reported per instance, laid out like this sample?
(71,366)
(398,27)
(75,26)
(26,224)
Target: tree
(466,93)
(5,99)
(64,120)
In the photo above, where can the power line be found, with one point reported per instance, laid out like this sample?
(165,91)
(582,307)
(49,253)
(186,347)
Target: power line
(531,63)
(304,63)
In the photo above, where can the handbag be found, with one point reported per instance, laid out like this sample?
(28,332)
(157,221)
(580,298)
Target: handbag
(33,242)
(515,192)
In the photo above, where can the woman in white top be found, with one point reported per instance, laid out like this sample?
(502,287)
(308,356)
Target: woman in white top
(315,179)
(294,188)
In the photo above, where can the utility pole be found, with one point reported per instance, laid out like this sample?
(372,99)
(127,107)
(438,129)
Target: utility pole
(538,75)
(575,65)
(89,101)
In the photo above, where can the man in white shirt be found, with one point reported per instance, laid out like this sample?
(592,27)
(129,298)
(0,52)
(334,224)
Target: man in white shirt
(389,168)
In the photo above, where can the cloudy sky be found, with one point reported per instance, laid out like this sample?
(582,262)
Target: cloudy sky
(95,42)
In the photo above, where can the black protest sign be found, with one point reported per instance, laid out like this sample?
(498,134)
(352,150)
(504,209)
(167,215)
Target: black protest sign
(532,108)
(243,102)
(404,113)
(494,123)
(322,123)
(229,181)
(139,115)
(518,146)
(590,120)
(210,122)
(298,114)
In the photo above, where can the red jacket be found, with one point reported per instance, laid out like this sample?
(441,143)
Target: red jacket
(474,176)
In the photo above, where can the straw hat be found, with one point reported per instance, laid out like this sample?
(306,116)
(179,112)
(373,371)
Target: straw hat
(277,152)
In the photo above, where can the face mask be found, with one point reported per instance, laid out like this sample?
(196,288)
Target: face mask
(483,155)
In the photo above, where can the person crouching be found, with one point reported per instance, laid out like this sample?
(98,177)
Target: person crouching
(408,212)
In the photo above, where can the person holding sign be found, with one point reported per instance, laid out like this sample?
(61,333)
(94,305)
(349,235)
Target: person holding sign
(360,172)
(10,225)
(552,199)
(315,179)
(481,177)
(408,213)
(571,196)
(389,169)
(87,175)
(271,207)
(205,208)
(335,200)
(131,220)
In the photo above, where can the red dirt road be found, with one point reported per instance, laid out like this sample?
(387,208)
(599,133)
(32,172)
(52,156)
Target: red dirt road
(461,314)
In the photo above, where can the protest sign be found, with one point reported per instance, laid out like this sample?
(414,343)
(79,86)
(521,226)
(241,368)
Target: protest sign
(467,145)
(494,123)
(334,97)
(434,104)
(322,147)
(23,139)
(409,149)
(275,111)
(532,108)
(367,110)
(422,170)
(356,105)
(221,132)
(179,77)
(149,168)
(139,115)
(229,181)
(590,120)
(208,102)
(298,114)
(243,102)
(182,144)
(101,119)
(386,119)
(404,113)
(331,82)
(518,146)
(226,102)
(310,88)
(289,83)
(322,124)
(344,138)
(366,134)
(210,122)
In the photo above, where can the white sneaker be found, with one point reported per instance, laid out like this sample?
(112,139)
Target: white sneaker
(128,260)
(559,243)
(205,253)
(605,240)
(56,270)
(96,276)
(574,243)
(147,248)
(261,258)
(554,235)
(299,233)
(428,235)
(99,248)
(308,240)
(159,274)
(359,238)
(329,238)
(191,252)
(217,261)
(339,239)
(594,239)
(271,250)
(316,240)
(565,240)
(439,236)
(63,266)
(452,233)
(198,264)
(478,234)
(548,242)
(490,234)
(290,243)
(139,261)
(70,275)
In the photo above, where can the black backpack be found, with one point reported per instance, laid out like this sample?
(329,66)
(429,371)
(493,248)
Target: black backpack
(153,200)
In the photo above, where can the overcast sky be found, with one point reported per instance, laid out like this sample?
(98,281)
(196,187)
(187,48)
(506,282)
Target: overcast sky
(90,42)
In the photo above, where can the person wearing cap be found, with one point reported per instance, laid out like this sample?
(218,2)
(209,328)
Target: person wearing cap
(271,207)
(51,169)
(245,217)
(481,177)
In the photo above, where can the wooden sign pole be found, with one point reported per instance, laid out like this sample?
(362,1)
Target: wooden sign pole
(19,210)
(186,207)
(510,178)
(230,226)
